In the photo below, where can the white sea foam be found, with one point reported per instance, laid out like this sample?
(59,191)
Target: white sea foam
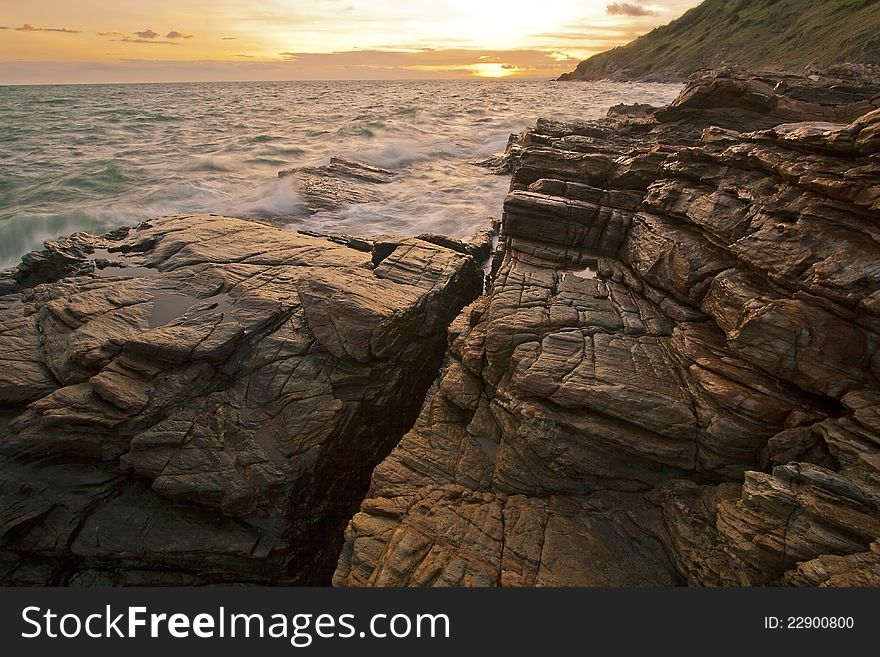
(276,198)
(94,161)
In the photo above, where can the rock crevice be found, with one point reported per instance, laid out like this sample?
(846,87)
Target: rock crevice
(201,399)
(674,378)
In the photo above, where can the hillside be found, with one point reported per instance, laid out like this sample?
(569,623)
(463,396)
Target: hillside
(788,34)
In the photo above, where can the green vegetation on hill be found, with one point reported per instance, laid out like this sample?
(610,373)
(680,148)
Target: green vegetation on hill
(788,34)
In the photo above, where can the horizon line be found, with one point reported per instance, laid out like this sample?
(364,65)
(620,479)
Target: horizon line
(450,79)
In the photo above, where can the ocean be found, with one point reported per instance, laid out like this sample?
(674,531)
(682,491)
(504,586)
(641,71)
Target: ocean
(95,157)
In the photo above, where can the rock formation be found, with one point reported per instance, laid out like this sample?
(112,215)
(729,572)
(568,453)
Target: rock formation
(202,399)
(341,182)
(675,378)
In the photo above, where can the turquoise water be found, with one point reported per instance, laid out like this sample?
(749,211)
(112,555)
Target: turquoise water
(94,157)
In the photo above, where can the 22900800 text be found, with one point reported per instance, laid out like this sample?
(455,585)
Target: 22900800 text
(809,622)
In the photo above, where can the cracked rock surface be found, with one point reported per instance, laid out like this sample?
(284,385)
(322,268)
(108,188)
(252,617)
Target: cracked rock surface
(675,377)
(201,399)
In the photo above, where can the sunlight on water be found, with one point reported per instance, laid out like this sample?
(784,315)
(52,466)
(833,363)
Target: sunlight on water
(92,158)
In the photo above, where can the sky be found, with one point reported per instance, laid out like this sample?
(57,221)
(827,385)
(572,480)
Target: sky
(77,41)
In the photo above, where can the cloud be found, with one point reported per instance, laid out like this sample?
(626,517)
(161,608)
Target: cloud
(151,41)
(229,38)
(148,37)
(27,27)
(628,9)
(442,62)
(343,65)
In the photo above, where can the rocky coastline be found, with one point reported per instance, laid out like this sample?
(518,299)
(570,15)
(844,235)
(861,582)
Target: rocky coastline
(202,399)
(672,378)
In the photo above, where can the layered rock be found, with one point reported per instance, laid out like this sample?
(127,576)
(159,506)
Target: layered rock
(675,378)
(340,182)
(202,399)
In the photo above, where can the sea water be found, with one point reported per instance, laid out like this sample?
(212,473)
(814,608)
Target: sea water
(95,157)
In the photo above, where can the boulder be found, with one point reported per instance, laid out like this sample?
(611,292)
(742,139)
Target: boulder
(201,400)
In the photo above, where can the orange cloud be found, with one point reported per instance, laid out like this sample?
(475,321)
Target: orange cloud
(149,37)
(149,41)
(628,9)
(461,62)
(348,65)
(27,27)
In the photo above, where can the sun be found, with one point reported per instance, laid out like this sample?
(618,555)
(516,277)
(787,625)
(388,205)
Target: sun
(493,70)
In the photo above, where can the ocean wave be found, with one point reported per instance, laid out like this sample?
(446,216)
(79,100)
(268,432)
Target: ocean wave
(286,150)
(209,164)
(266,162)
(108,179)
(166,149)
(51,101)
(274,199)
(262,139)
(25,233)
(397,155)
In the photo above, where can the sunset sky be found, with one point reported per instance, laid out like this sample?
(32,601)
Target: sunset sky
(44,41)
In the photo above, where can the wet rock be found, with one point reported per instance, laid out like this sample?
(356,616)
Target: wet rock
(859,569)
(341,182)
(675,375)
(767,99)
(479,246)
(208,406)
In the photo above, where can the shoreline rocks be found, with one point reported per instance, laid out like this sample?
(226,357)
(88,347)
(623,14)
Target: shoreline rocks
(338,183)
(675,376)
(673,379)
(201,399)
